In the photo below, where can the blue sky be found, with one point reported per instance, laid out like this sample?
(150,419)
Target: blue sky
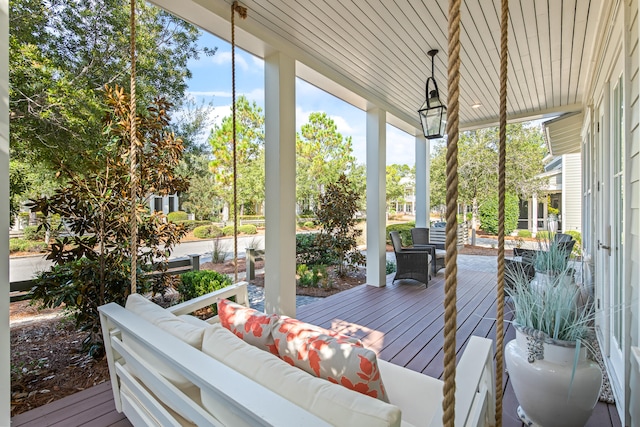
(212,82)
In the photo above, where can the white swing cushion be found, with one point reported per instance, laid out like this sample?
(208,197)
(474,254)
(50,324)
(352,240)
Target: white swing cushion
(331,402)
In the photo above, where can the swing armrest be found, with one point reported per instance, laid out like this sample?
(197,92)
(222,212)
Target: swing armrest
(475,384)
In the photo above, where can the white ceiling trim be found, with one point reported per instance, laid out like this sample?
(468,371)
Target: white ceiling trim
(563,134)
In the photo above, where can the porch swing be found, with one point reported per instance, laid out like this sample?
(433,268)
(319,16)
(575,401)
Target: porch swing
(471,404)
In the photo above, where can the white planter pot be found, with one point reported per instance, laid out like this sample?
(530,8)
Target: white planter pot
(547,395)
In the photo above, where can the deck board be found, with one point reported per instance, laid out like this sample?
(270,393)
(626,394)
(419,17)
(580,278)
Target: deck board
(91,407)
(402,322)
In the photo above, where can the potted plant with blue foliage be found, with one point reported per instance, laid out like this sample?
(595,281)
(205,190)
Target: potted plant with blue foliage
(554,381)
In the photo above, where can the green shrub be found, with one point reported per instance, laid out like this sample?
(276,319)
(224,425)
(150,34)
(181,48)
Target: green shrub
(197,283)
(31,232)
(251,217)
(242,229)
(23,245)
(247,229)
(70,285)
(38,232)
(489,214)
(405,232)
(390,267)
(524,233)
(315,277)
(542,235)
(309,251)
(309,224)
(191,224)
(177,216)
(207,232)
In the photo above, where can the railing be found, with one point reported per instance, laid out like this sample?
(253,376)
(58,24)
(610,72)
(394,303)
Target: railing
(20,290)
(252,256)
(438,235)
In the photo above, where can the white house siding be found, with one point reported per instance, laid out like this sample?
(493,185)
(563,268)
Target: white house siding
(632,177)
(571,192)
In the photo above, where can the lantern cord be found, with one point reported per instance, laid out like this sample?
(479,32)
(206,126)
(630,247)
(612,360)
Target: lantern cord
(133,151)
(242,12)
(451,271)
(502,154)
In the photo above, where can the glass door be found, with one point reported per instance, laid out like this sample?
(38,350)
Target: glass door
(617,290)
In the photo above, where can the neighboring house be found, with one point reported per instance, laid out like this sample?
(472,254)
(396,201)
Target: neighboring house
(164,204)
(562,192)
(407,203)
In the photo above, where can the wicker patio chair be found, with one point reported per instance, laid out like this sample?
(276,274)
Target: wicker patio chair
(524,266)
(420,237)
(411,263)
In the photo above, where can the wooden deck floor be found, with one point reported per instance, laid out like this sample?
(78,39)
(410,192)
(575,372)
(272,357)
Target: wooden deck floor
(402,322)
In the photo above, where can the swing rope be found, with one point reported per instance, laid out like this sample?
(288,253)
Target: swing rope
(502,155)
(242,11)
(451,261)
(133,151)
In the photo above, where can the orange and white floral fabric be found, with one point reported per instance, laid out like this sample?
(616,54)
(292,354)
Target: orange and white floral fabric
(326,354)
(252,326)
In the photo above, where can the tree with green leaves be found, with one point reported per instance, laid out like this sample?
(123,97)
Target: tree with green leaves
(18,184)
(336,215)
(478,165)
(93,266)
(201,198)
(322,156)
(250,155)
(62,53)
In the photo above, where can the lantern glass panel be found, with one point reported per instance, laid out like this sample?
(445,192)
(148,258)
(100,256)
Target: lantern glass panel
(433,121)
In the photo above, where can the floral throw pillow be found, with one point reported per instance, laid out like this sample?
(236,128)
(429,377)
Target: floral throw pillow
(326,354)
(250,325)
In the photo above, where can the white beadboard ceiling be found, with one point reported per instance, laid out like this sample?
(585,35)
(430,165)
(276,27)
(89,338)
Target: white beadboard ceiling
(373,52)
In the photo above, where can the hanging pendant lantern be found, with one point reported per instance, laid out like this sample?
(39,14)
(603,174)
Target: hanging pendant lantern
(433,113)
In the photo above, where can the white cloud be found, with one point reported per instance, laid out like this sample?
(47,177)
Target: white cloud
(342,125)
(224,58)
(256,95)
(258,63)
(400,147)
(220,113)
(302,117)
(219,93)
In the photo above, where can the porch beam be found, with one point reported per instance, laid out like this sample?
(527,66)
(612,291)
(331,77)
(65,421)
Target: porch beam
(5,391)
(376,196)
(280,184)
(522,117)
(423,163)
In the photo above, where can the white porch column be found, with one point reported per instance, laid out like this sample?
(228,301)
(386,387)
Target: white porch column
(423,162)
(376,196)
(534,214)
(280,184)
(5,379)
